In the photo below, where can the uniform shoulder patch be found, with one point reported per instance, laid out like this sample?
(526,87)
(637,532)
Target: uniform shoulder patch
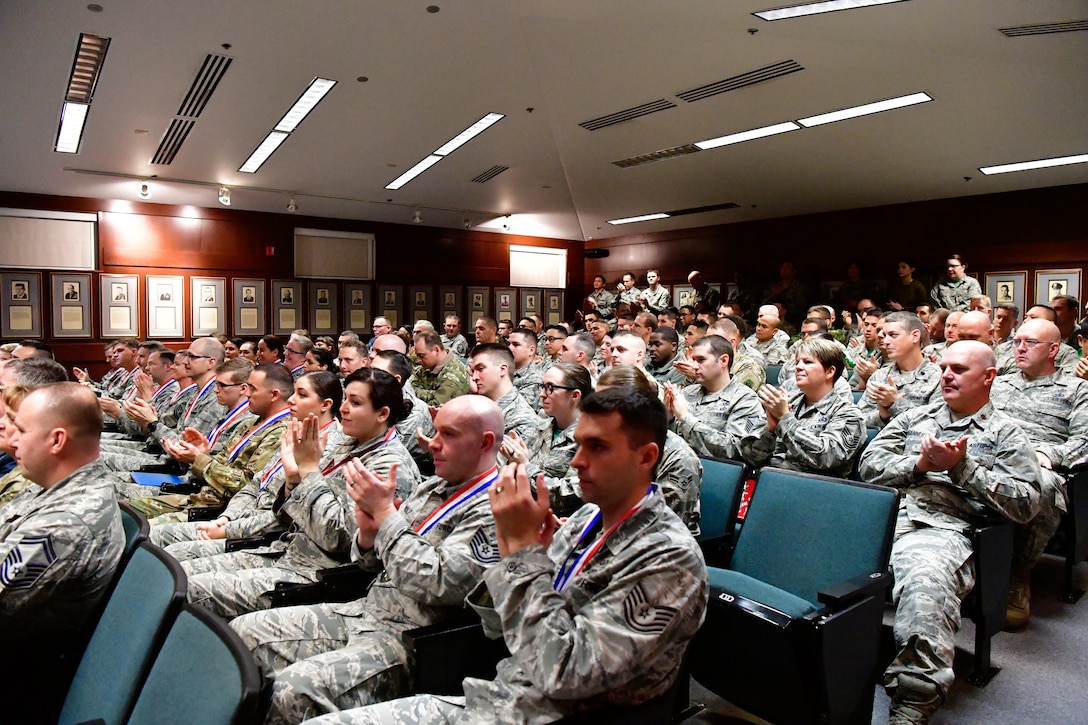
(484,550)
(643,616)
(24,564)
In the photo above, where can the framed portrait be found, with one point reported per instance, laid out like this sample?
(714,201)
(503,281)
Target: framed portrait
(209,304)
(22,305)
(506,304)
(1007,288)
(530,302)
(681,295)
(449,301)
(119,302)
(286,307)
(419,298)
(71,305)
(357,306)
(165,295)
(389,302)
(553,306)
(248,308)
(1049,283)
(479,304)
(323,309)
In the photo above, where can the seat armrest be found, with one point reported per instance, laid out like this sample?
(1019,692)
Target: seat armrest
(448,652)
(841,595)
(205,513)
(242,543)
(182,488)
(170,466)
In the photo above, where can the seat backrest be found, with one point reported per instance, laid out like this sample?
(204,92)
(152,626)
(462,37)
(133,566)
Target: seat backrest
(719,497)
(136,526)
(858,394)
(805,532)
(140,609)
(773,371)
(202,674)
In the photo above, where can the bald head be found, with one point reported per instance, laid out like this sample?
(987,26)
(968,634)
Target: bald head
(975,325)
(968,370)
(1036,345)
(208,347)
(57,431)
(391,342)
(468,433)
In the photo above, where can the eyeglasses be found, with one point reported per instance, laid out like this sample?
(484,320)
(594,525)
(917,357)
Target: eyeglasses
(194,356)
(1030,344)
(549,388)
(224,386)
(953,266)
(548,338)
(294,352)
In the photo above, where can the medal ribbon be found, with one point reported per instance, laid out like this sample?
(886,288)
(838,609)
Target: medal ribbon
(181,392)
(245,439)
(571,569)
(198,396)
(469,491)
(390,435)
(240,410)
(278,465)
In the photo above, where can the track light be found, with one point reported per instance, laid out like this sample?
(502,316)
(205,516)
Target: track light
(145,190)
(466,223)
(224,196)
(417,217)
(291,205)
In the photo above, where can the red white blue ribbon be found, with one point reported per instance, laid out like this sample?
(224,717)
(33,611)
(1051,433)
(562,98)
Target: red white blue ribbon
(207,386)
(278,465)
(571,569)
(239,410)
(183,391)
(390,435)
(245,439)
(467,492)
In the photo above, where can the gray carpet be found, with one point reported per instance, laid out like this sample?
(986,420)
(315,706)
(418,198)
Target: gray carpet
(1044,669)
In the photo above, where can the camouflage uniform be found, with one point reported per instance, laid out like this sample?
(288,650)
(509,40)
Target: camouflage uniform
(319,517)
(616,635)
(955,296)
(628,297)
(59,548)
(931,557)
(519,417)
(822,438)
(656,300)
(605,301)
(443,384)
(159,400)
(718,423)
(679,475)
(328,657)
(528,381)
(860,352)
(420,417)
(711,299)
(456,345)
(554,450)
(938,348)
(920,386)
(204,415)
(1053,411)
(1066,361)
(668,373)
(774,351)
(749,371)
(12,484)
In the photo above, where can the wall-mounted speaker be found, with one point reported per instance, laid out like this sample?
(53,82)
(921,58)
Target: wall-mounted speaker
(596,253)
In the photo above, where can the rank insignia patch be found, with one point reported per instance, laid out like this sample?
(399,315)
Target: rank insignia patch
(27,561)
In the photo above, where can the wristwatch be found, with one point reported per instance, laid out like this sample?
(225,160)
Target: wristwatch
(152,426)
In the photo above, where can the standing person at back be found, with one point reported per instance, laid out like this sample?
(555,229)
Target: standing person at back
(955,292)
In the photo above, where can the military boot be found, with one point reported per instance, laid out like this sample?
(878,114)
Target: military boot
(1018,606)
(914,701)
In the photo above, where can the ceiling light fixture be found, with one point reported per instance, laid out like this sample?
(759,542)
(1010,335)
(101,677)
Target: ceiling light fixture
(446,149)
(864,110)
(224,196)
(633,219)
(1040,164)
(145,190)
(830,6)
(292,205)
(417,217)
(82,81)
(317,90)
(747,135)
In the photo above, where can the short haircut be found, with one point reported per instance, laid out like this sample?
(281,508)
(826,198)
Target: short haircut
(828,352)
(818,311)
(41,350)
(1048,312)
(724,327)
(628,334)
(582,342)
(644,417)
(383,391)
(1070,300)
(150,345)
(75,408)
(349,334)
(670,313)
(273,343)
(1009,307)
(277,377)
(399,364)
(623,376)
(820,322)
(497,353)
(910,322)
(166,355)
(575,376)
(718,346)
(238,368)
(668,334)
(304,343)
(646,319)
(557,328)
(600,277)
(326,386)
(429,338)
(130,342)
(35,372)
(489,322)
(872,312)
(655,271)
(956,257)
(528,336)
(455,318)
(358,345)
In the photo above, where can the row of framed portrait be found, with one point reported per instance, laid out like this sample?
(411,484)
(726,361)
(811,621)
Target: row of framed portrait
(1012,287)
(239,306)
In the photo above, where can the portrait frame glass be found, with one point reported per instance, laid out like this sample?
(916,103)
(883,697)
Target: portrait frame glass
(1046,279)
(478,304)
(530,302)
(286,306)
(120,300)
(71,305)
(553,306)
(323,318)
(506,303)
(1007,287)
(419,298)
(357,306)
(165,299)
(681,295)
(209,304)
(22,304)
(449,301)
(390,297)
(248,316)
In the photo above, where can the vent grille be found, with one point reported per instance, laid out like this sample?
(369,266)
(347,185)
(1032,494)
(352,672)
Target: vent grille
(175,136)
(490,174)
(656,156)
(702,209)
(86,67)
(204,85)
(751,78)
(627,115)
(1044,28)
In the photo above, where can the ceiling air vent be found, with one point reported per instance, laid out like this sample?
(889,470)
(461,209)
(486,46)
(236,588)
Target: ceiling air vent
(200,92)
(490,174)
(1045,28)
(656,156)
(767,73)
(631,113)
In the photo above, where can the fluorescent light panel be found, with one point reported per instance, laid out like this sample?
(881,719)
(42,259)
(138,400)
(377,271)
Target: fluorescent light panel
(306,103)
(797,11)
(865,110)
(1040,164)
(446,149)
(256,159)
(747,135)
(72,118)
(643,218)
(414,172)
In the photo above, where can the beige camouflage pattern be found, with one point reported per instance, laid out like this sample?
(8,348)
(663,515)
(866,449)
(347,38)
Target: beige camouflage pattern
(435,387)
(719,424)
(920,386)
(823,438)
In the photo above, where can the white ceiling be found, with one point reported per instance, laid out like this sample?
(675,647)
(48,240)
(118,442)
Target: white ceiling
(997,100)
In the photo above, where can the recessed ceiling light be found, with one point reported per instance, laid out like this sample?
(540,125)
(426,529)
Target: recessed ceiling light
(72,118)
(747,135)
(414,172)
(224,196)
(306,103)
(830,6)
(643,218)
(1040,164)
(82,80)
(447,148)
(256,159)
(877,107)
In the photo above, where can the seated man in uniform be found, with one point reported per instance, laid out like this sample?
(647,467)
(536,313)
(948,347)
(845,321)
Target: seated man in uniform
(909,381)
(596,613)
(955,461)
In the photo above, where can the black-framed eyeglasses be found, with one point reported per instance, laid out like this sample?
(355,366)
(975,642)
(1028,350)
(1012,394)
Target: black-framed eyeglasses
(553,339)
(294,352)
(549,388)
(224,386)
(194,356)
(1029,343)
